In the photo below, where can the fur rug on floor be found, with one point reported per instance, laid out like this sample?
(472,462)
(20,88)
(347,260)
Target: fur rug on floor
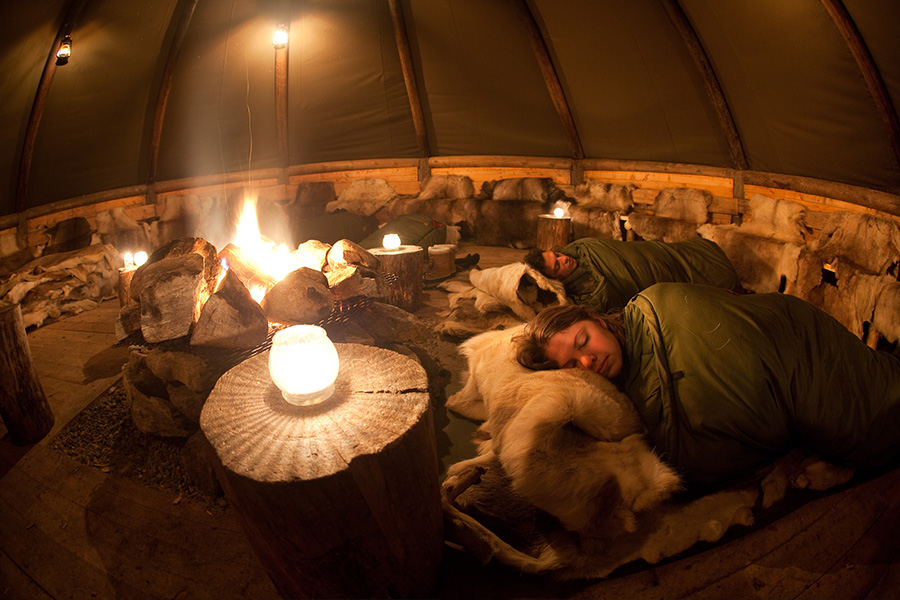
(490,521)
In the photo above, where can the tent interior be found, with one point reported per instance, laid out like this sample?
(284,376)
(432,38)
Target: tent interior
(769,127)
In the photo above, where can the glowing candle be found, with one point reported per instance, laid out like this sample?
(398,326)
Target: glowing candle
(303,364)
(558,213)
(391,241)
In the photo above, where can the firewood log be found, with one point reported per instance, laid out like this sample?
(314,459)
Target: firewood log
(23,404)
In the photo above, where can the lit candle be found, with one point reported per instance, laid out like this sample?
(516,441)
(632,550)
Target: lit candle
(558,213)
(391,241)
(303,363)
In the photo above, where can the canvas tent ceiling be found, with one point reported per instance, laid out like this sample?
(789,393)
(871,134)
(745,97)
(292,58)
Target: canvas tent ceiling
(802,97)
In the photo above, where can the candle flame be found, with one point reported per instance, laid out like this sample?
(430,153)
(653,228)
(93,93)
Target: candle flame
(391,241)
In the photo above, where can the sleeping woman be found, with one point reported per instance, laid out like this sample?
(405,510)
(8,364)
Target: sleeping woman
(728,383)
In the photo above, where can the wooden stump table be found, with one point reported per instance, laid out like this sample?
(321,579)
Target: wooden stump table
(403,271)
(23,404)
(553,231)
(339,499)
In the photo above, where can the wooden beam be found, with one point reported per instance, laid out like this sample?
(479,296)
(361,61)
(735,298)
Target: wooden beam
(869,70)
(162,97)
(281,105)
(551,79)
(874,199)
(409,77)
(503,161)
(710,82)
(72,12)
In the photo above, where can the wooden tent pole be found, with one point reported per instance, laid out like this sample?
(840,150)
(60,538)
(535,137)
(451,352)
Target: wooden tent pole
(23,405)
(162,97)
(37,107)
(409,76)
(870,72)
(551,79)
(710,81)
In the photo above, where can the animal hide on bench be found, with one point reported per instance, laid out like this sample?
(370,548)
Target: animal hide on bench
(498,298)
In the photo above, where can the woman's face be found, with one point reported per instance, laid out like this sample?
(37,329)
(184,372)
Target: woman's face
(587,345)
(557,265)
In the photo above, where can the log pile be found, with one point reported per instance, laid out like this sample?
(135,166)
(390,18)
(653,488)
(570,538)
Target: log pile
(190,320)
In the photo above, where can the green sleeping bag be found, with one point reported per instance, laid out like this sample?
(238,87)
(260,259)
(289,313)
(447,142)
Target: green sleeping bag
(611,272)
(415,229)
(726,383)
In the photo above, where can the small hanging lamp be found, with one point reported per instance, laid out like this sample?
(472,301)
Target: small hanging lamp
(65,51)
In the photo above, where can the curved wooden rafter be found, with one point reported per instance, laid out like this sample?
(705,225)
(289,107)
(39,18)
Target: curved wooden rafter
(72,13)
(409,77)
(551,78)
(710,82)
(162,97)
(869,70)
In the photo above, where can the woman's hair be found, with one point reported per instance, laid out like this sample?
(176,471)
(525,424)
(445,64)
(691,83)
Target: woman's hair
(535,259)
(531,351)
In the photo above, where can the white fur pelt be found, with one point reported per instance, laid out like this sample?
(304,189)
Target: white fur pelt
(497,298)
(761,263)
(515,286)
(568,443)
(776,219)
(872,243)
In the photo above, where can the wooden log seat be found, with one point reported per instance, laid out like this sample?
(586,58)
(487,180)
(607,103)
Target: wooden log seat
(403,271)
(339,499)
(23,404)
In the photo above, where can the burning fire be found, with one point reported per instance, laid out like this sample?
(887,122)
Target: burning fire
(273,261)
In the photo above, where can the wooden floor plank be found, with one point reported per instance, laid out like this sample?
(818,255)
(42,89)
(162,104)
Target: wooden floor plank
(792,564)
(868,560)
(16,585)
(50,565)
(159,551)
(55,339)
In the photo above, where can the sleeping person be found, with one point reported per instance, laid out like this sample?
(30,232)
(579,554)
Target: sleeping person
(606,273)
(726,383)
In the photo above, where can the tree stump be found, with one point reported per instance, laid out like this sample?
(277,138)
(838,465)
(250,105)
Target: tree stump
(443,261)
(339,499)
(553,231)
(23,404)
(403,271)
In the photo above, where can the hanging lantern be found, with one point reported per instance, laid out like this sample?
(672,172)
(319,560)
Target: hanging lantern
(280,39)
(65,51)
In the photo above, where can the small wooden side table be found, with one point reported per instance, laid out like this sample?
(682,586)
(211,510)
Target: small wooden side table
(339,499)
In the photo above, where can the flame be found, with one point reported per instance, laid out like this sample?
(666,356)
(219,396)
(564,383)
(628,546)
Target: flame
(275,260)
